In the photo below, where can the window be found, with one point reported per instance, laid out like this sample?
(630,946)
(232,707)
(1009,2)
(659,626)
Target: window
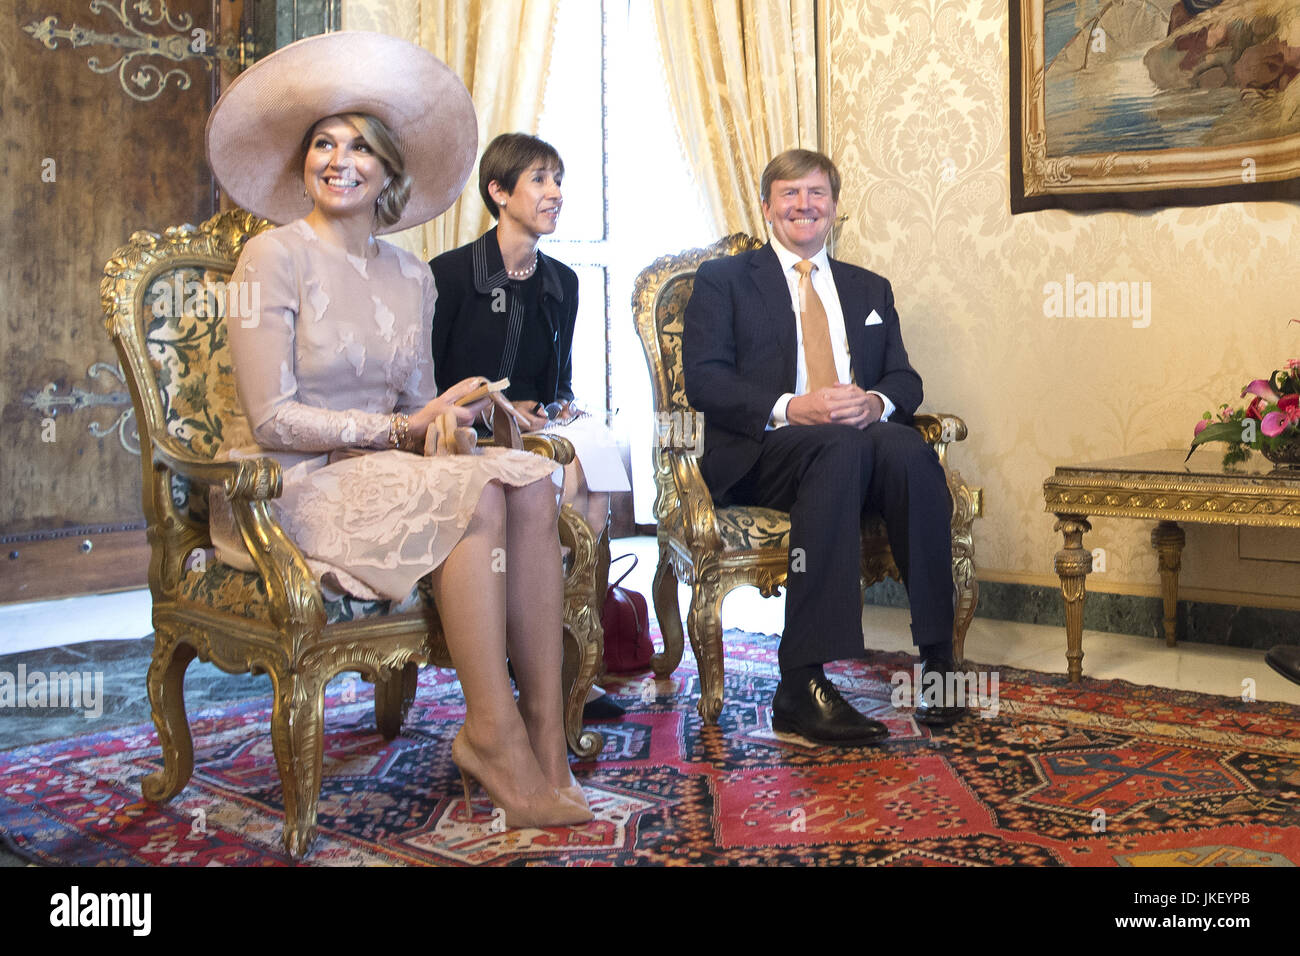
(628,198)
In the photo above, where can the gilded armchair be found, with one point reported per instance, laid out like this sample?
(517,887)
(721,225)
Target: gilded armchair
(171,338)
(715,550)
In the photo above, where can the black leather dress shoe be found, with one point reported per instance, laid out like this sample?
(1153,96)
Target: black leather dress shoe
(934,704)
(815,710)
(1285,659)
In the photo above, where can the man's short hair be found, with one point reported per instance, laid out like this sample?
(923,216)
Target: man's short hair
(795,164)
(507,158)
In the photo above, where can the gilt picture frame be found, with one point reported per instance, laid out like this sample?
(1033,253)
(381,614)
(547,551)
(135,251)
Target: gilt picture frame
(1146,103)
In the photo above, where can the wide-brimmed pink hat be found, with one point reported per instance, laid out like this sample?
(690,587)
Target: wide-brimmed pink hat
(255,131)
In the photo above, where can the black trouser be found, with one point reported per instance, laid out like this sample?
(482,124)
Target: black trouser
(827,477)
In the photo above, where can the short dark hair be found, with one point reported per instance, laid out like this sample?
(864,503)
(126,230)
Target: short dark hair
(795,164)
(507,158)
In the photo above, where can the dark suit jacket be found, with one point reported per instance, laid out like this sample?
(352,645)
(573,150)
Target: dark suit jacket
(740,352)
(469,337)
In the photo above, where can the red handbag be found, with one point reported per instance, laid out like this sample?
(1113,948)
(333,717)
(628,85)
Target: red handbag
(626,620)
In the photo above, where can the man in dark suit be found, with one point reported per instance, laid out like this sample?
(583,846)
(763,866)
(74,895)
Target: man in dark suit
(797,363)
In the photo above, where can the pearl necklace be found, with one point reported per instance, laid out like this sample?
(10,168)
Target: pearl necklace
(524,273)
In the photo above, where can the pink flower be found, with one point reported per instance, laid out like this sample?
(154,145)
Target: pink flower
(1287,414)
(1201,425)
(1261,388)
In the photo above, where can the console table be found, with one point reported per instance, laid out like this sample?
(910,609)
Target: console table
(1160,486)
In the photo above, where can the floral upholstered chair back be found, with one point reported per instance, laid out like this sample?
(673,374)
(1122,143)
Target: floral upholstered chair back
(185,317)
(166,300)
(662,291)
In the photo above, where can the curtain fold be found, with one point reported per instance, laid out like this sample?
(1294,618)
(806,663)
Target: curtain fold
(742,80)
(501,49)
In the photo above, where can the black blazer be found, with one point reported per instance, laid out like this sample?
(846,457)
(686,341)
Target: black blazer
(469,336)
(740,353)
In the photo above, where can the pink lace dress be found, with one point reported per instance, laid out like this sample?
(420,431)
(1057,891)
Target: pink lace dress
(330,347)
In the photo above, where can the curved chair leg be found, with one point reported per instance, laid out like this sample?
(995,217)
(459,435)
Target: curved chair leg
(705,628)
(968,595)
(297,736)
(601,590)
(394,695)
(582,663)
(166,680)
(668,613)
(584,638)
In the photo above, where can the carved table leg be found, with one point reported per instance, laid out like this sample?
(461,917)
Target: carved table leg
(668,613)
(1168,540)
(1073,564)
(166,682)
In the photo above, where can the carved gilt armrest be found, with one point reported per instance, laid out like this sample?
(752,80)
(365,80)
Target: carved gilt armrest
(940,429)
(694,501)
(555,447)
(250,484)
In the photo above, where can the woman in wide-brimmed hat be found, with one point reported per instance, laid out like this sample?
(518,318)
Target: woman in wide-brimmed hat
(343,137)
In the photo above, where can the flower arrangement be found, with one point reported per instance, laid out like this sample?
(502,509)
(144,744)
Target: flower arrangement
(1269,423)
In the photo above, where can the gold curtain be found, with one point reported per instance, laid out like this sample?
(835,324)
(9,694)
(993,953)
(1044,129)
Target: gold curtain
(742,80)
(502,50)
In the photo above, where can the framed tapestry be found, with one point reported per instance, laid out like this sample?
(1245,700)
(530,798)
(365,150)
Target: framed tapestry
(1144,103)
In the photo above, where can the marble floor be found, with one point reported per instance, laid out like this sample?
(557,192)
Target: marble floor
(109,634)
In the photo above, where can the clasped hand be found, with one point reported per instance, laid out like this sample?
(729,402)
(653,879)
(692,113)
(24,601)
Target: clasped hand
(839,404)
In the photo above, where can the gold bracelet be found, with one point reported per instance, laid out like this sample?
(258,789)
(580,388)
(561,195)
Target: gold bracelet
(403,432)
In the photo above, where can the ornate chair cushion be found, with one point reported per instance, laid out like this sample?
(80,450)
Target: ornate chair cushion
(751,528)
(243,594)
(748,528)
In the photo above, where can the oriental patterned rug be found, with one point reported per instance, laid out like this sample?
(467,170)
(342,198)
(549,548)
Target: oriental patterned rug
(1102,773)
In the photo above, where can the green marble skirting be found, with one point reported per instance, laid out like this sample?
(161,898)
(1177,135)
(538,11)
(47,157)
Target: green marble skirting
(1198,622)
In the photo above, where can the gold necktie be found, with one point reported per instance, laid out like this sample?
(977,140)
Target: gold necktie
(817,353)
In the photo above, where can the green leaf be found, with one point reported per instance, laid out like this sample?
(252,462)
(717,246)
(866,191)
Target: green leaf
(1219,431)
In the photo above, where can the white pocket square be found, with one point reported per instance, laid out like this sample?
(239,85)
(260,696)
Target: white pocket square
(874,319)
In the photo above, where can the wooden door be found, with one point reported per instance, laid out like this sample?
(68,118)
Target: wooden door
(103,107)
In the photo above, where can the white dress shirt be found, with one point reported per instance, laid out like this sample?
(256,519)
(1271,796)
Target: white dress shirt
(824,285)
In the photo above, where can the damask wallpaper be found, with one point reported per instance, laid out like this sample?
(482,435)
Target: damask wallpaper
(917,119)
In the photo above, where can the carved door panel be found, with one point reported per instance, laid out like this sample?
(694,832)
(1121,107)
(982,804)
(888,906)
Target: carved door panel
(103,107)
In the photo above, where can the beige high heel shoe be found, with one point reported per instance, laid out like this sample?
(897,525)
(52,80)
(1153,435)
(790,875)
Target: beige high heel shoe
(574,793)
(543,808)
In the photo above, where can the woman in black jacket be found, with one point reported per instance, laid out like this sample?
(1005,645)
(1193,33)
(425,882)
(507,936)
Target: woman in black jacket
(505,310)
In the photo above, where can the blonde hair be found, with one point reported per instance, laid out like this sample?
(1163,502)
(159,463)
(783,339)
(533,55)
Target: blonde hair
(394,196)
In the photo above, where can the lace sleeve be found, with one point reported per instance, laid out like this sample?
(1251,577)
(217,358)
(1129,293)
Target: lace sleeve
(420,388)
(262,348)
(299,427)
